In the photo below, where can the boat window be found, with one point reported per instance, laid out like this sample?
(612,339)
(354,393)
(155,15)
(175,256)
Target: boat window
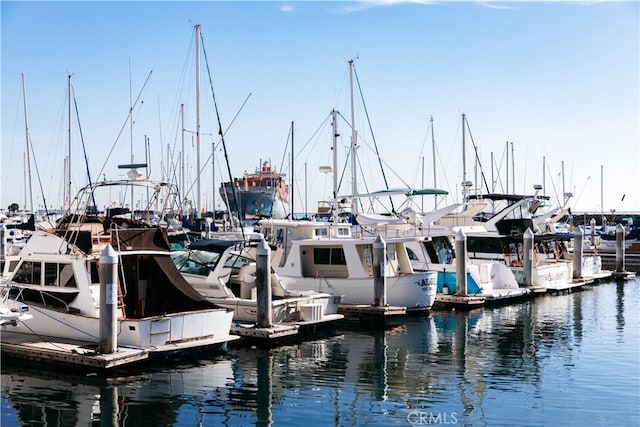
(329,256)
(280,235)
(235,262)
(94,271)
(344,231)
(196,262)
(59,275)
(391,252)
(322,232)
(28,273)
(412,255)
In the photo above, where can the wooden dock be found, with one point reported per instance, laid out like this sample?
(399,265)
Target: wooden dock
(55,351)
(280,331)
(466,302)
(351,311)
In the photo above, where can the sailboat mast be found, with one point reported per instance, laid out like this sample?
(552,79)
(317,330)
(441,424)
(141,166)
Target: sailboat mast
(68,177)
(433,155)
(506,149)
(182,187)
(464,162)
(334,123)
(513,170)
(292,192)
(544,176)
(198,205)
(29,189)
(354,140)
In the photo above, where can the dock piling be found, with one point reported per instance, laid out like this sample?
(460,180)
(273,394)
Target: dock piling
(108,301)
(527,261)
(577,252)
(620,248)
(379,278)
(263,283)
(3,241)
(461,263)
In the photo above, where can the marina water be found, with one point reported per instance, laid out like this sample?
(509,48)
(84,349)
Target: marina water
(570,359)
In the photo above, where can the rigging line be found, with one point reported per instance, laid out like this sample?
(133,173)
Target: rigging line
(205,163)
(286,146)
(84,147)
(484,179)
(124,124)
(318,129)
(35,164)
(375,144)
(221,133)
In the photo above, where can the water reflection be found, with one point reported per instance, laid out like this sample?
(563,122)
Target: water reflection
(533,363)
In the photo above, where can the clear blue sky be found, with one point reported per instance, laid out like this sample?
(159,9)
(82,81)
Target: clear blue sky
(558,79)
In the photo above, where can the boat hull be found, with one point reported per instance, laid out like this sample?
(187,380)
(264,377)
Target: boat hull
(146,333)
(413,291)
(257,203)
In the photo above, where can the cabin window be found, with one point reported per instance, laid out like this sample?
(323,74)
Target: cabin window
(329,256)
(94,271)
(280,235)
(344,232)
(412,255)
(59,275)
(322,232)
(28,273)
(391,252)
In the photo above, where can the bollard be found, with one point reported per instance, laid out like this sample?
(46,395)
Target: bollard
(527,259)
(3,241)
(461,263)
(577,252)
(620,248)
(108,300)
(379,277)
(263,283)
(592,225)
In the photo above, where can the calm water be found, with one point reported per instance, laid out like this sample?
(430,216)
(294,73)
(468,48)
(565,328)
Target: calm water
(557,360)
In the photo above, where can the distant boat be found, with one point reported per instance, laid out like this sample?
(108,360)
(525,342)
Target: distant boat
(262,194)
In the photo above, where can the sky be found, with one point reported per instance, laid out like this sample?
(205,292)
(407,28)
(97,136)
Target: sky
(550,92)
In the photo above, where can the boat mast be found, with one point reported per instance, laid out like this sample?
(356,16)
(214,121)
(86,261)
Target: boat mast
(197,28)
(29,189)
(354,141)
(464,162)
(506,149)
(544,176)
(433,154)
(68,177)
(334,148)
(292,192)
(182,187)
(513,170)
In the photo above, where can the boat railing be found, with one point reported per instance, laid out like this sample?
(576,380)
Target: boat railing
(42,293)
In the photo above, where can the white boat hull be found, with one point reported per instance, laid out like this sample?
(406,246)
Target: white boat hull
(146,333)
(413,291)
